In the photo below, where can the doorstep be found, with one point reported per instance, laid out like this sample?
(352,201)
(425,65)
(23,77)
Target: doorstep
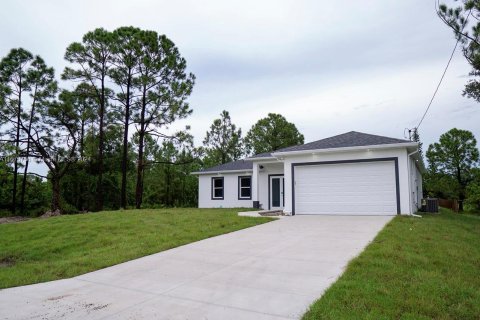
(263,213)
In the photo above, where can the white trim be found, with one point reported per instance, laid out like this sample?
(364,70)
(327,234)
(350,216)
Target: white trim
(419,162)
(218,188)
(282,192)
(240,187)
(246,171)
(260,158)
(346,149)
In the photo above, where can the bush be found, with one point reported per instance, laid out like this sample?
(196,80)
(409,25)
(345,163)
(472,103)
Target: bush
(473,197)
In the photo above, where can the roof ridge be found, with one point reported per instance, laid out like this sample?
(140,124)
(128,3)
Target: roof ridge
(339,140)
(377,135)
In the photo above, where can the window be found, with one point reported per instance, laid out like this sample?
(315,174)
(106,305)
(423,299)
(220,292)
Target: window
(217,188)
(245,188)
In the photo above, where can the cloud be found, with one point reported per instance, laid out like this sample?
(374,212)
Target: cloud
(328,66)
(466,108)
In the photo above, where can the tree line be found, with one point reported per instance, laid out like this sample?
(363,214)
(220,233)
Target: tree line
(108,137)
(453,169)
(107,144)
(453,161)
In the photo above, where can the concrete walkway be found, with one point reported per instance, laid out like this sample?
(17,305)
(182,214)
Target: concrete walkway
(271,271)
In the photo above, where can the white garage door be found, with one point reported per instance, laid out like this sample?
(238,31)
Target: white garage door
(364,188)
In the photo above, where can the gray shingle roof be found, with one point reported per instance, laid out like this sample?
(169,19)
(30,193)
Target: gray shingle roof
(349,139)
(234,165)
(262,155)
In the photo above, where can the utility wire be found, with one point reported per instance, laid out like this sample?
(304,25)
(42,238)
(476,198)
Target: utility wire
(443,75)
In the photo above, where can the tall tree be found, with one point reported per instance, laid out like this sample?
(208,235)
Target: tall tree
(14,70)
(272,133)
(455,155)
(164,87)
(83,101)
(91,60)
(54,139)
(464,20)
(43,88)
(126,54)
(223,143)
(52,132)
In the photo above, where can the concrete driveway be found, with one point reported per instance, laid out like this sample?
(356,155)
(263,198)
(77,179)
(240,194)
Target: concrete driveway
(271,271)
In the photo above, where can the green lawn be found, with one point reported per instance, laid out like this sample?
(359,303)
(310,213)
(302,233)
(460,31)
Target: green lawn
(416,268)
(61,247)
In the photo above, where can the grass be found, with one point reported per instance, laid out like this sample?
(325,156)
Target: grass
(416,268)
(61,247)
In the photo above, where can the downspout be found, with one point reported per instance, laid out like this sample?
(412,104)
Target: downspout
(410,183)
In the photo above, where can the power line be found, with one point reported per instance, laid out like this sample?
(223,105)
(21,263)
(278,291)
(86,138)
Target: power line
(443,75)
(438,86)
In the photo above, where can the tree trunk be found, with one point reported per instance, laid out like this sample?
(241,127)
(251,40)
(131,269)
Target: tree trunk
(24,184)
(123,199)
(183,187)
(56,193)
(167,176)
(25,171)
(82,137)
(461,199)
(15,177)
(100,148)
(463,186)
(17,146)
(139,187)
(140,165)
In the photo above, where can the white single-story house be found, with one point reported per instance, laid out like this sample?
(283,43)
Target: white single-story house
(351,173)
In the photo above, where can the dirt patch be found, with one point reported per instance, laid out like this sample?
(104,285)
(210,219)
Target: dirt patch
(100,307)
(12,219)
(59,297)
(7,262)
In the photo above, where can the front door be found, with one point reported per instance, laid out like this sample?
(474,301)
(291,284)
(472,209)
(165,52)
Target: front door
(276,193)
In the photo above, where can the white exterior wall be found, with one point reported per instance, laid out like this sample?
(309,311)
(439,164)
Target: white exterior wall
(409,202)
(413,185)
(255,182)
(230,191)
(401,154)
(417,186)
(420,187)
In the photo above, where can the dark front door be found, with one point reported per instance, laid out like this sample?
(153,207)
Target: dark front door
(276,192)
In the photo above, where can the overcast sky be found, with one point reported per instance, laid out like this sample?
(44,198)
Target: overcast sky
(328,66)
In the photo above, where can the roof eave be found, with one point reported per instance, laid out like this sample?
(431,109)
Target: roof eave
(345,149)
(219,172)
(261,159)
(419,162)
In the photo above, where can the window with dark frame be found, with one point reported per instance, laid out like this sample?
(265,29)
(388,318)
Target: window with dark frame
(245,188)
(217,188)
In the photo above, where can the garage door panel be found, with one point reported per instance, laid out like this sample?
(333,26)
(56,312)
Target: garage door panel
(349,188)
(366,179)
(354,199)
(340,191)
